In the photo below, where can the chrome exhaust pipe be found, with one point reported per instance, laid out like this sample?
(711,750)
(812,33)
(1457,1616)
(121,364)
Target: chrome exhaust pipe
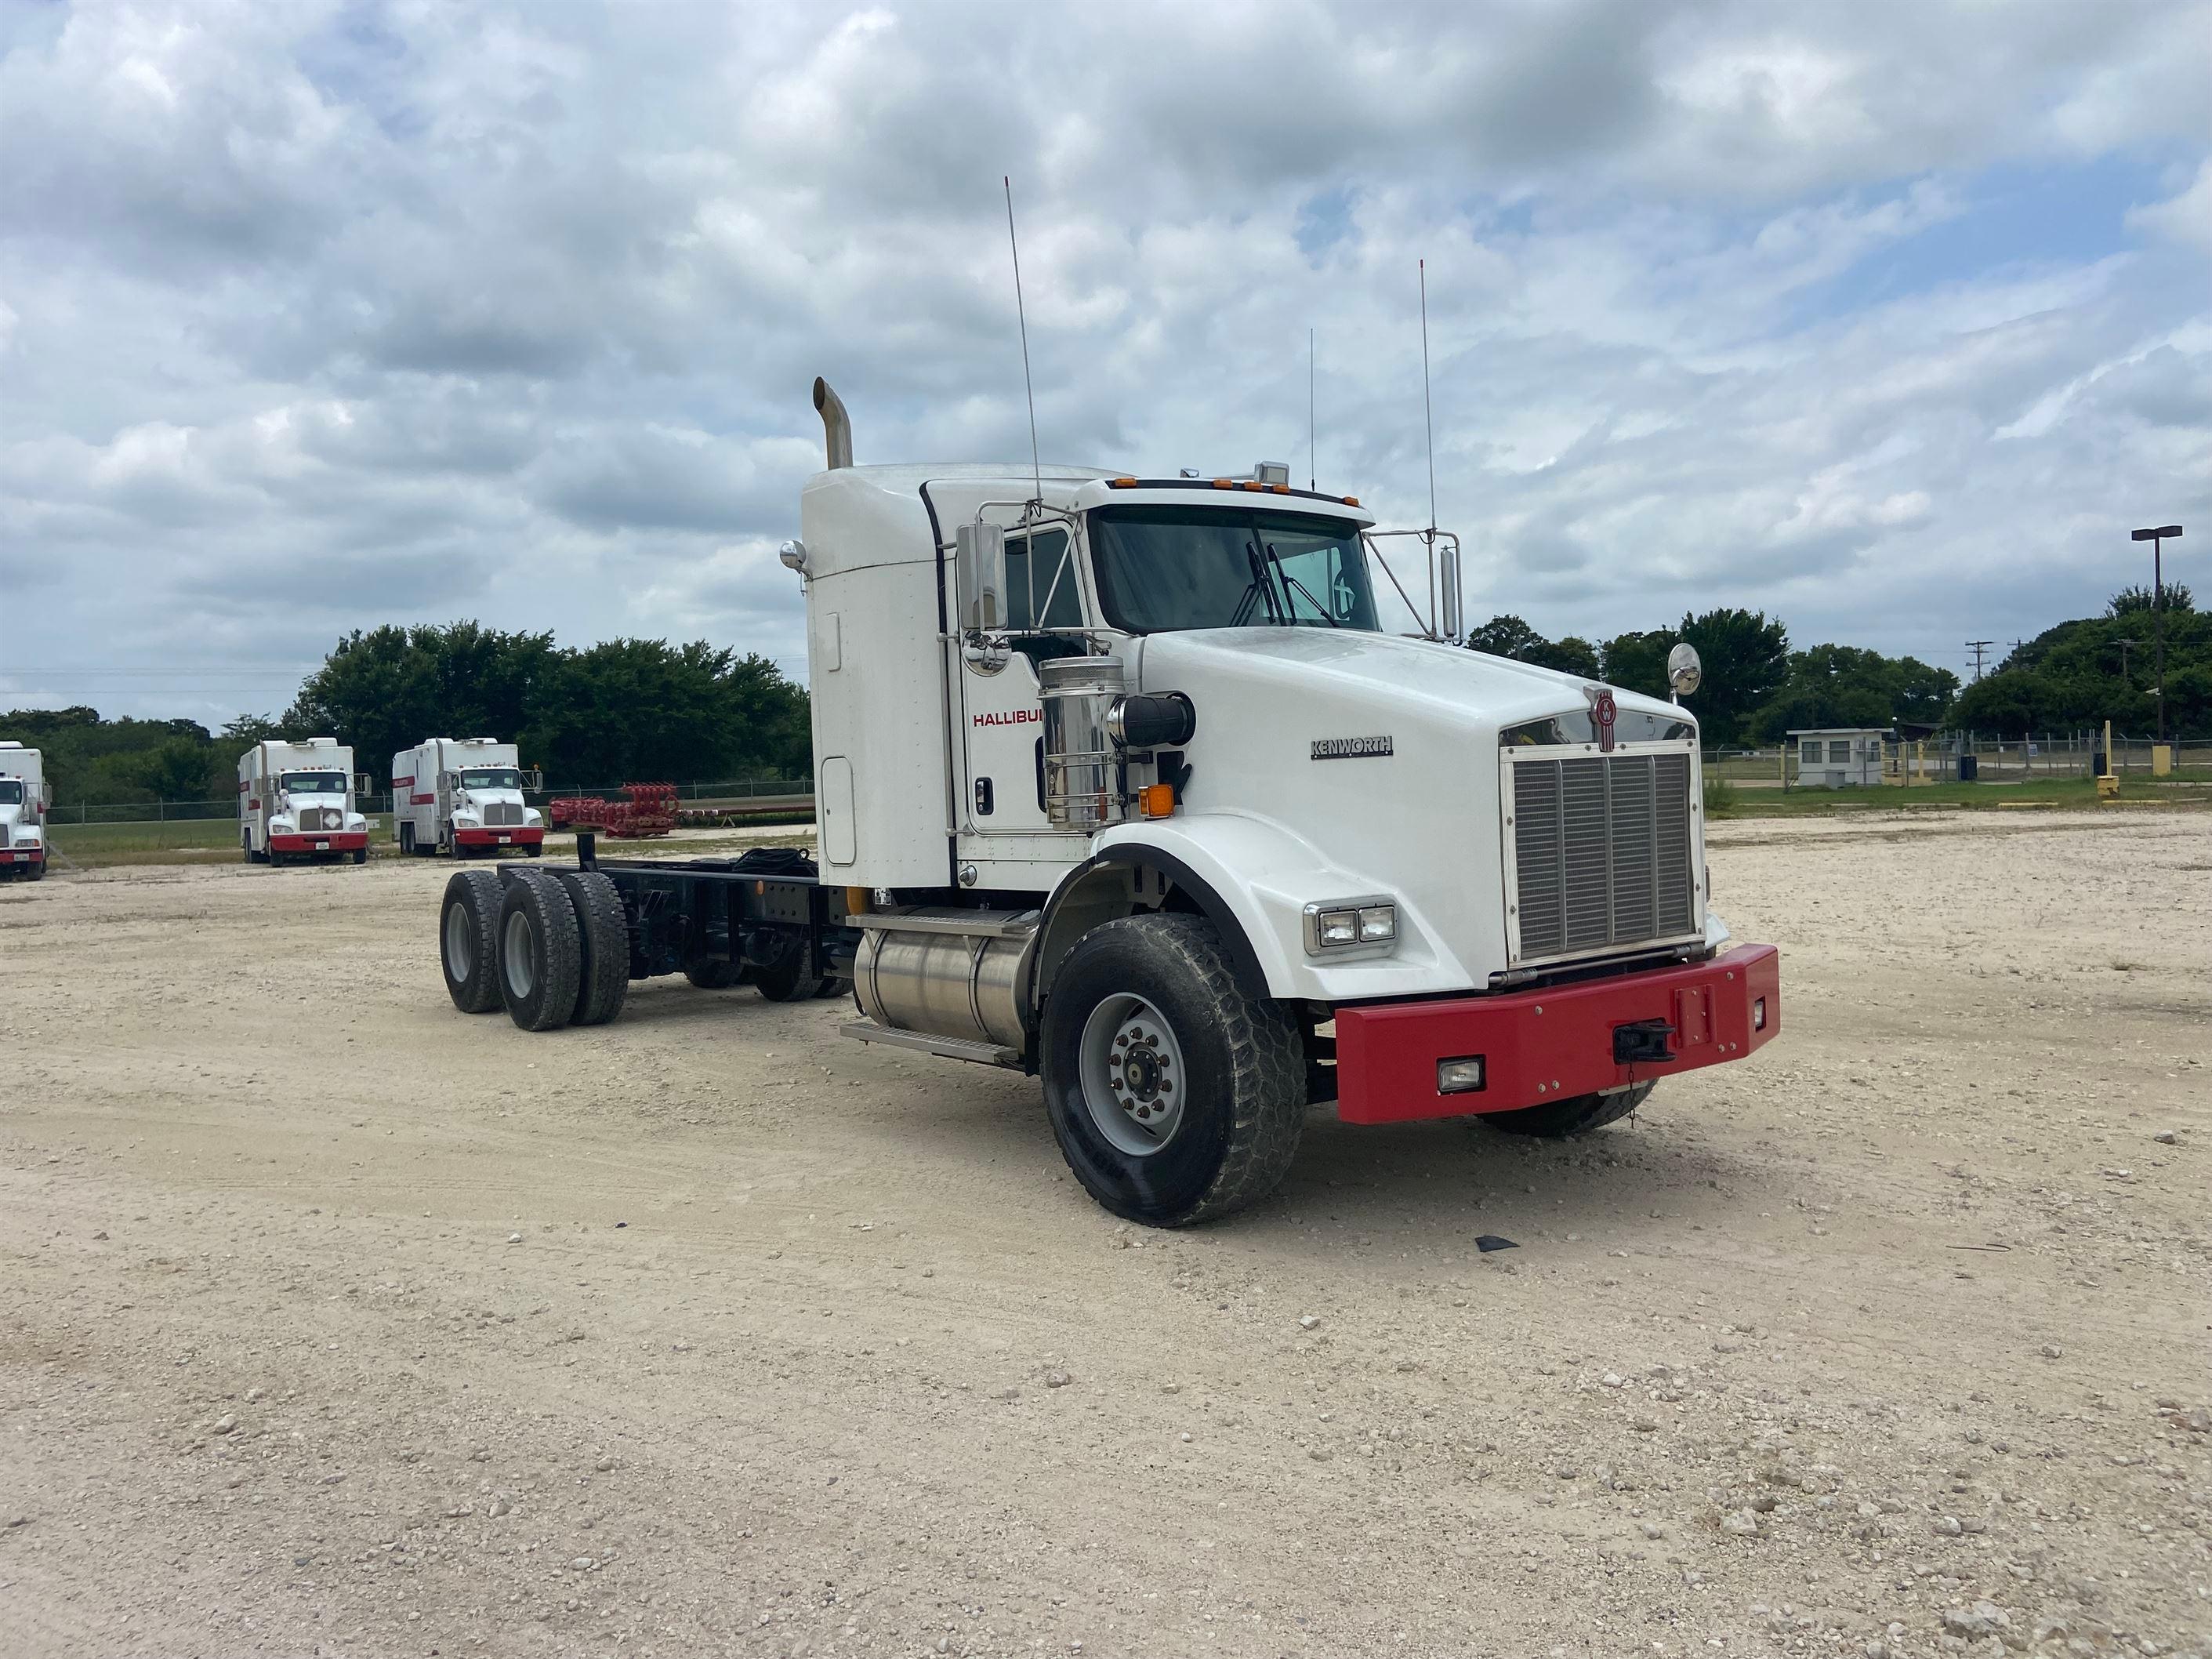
(836,425)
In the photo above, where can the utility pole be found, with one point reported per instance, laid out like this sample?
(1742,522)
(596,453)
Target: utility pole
(2125,646)
(2156,538)
(1979,647)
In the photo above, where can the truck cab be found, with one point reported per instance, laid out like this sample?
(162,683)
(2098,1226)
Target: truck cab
(295,801)
(463,796)
(1132,785)
(25,795)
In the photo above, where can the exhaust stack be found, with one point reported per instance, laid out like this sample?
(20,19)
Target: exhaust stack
(836,426)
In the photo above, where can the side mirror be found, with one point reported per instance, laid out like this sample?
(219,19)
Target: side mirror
(1684,671)
(979,559)
(1449,588)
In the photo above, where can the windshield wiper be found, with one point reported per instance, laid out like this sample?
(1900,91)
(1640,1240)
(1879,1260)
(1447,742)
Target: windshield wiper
(1288,580)
(1259,585)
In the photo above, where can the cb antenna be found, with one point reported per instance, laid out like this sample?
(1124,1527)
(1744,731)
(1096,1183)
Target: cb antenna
(1428,416)
(1313,466)
(1036,467)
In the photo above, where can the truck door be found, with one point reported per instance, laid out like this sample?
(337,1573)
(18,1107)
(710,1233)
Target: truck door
(1001,719)
(445,807)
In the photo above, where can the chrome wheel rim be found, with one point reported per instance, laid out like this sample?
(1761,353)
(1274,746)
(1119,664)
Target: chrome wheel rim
(521,966)
(1133,1079)
(460,944)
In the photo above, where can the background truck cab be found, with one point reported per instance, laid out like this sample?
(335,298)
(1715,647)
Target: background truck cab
(463,796)
(24,798)
(295,800)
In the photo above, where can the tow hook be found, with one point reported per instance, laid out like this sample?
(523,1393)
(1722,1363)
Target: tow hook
(1644,1043)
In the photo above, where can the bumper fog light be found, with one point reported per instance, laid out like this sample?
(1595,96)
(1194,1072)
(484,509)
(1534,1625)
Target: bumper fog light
(1759,1014)
(1378,923)
(1458,1076)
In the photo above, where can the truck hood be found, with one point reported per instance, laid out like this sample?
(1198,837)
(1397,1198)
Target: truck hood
(1334,765)
(1426,679)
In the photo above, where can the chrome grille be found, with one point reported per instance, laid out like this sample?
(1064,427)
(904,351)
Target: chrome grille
(1601,847)
(502,815)
(321,817)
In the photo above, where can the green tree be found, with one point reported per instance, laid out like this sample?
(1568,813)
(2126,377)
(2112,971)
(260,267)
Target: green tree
(2080,674)
(2130,600)
(1746,661)
(1638,662)
(1510,637)
(1847,685)
(635,710)
(387,689)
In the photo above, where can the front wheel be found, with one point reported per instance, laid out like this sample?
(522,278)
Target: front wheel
(1563,1120)
(1174,1096)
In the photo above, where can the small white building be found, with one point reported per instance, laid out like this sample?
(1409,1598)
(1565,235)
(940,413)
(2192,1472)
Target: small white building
(1838,757)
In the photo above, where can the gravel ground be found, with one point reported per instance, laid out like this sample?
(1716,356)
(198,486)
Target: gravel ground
(338,1322)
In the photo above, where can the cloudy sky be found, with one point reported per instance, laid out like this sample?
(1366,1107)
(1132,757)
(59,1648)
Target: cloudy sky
(1891,319)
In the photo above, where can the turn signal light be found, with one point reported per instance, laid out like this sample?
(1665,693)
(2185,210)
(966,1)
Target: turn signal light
(1155,800)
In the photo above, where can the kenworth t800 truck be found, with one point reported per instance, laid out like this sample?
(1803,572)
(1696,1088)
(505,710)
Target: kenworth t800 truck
(1120,780)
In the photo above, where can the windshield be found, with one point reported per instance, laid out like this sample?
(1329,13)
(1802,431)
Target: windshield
(490,777)
(1161,569)
(315,783)
(11,792)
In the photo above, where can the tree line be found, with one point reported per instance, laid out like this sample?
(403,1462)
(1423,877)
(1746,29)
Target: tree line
(623,710)
(2076,675)
(634,709)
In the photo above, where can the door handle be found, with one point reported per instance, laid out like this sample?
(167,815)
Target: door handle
(983,801)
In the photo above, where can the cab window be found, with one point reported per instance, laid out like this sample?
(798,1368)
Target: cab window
(1034,565)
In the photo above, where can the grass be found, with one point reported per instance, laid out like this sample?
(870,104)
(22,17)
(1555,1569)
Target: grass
(2048,792)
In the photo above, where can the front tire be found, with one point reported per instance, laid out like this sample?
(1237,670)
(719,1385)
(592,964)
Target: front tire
(468,940)
(1176,1097)
(1563,1120)
(360,855)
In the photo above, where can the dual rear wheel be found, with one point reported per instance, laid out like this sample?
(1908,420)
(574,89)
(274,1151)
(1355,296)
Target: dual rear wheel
(550,947)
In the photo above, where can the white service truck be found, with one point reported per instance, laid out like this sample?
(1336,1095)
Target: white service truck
(463,796)
(1122,780)
(295,800)
(25,796)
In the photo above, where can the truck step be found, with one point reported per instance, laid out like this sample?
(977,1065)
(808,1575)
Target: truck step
(989,1053)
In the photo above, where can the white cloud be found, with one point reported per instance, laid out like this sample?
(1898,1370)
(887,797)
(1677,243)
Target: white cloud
(324,314)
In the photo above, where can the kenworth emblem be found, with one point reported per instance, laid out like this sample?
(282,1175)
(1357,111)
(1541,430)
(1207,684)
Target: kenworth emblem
(1350,748)
(1603,713)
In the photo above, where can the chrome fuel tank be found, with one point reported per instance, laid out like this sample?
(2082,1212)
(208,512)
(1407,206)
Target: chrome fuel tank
(959,974)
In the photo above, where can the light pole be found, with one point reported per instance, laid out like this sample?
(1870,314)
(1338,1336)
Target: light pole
(2156,538)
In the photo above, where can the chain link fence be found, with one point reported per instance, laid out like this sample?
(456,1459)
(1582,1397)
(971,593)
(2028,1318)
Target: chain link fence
(797,794)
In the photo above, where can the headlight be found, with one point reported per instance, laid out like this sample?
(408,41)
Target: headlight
(1340,924)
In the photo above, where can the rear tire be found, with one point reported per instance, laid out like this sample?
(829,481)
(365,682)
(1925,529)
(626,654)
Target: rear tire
(246,848)
(1175,1098)
(602,980)
(1563,1120)
(407,841)
(468,940)
(541,951)
(790,979)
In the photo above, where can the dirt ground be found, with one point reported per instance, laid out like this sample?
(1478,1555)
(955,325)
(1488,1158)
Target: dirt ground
(337,1321)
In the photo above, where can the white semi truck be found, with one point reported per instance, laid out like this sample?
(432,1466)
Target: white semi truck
(1120,780)
(463,796)
(295,800)
(25,795)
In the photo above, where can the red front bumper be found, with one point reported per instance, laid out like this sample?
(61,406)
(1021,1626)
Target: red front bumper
(1540,1046)
(24,856)
(499,837)
(328,841)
